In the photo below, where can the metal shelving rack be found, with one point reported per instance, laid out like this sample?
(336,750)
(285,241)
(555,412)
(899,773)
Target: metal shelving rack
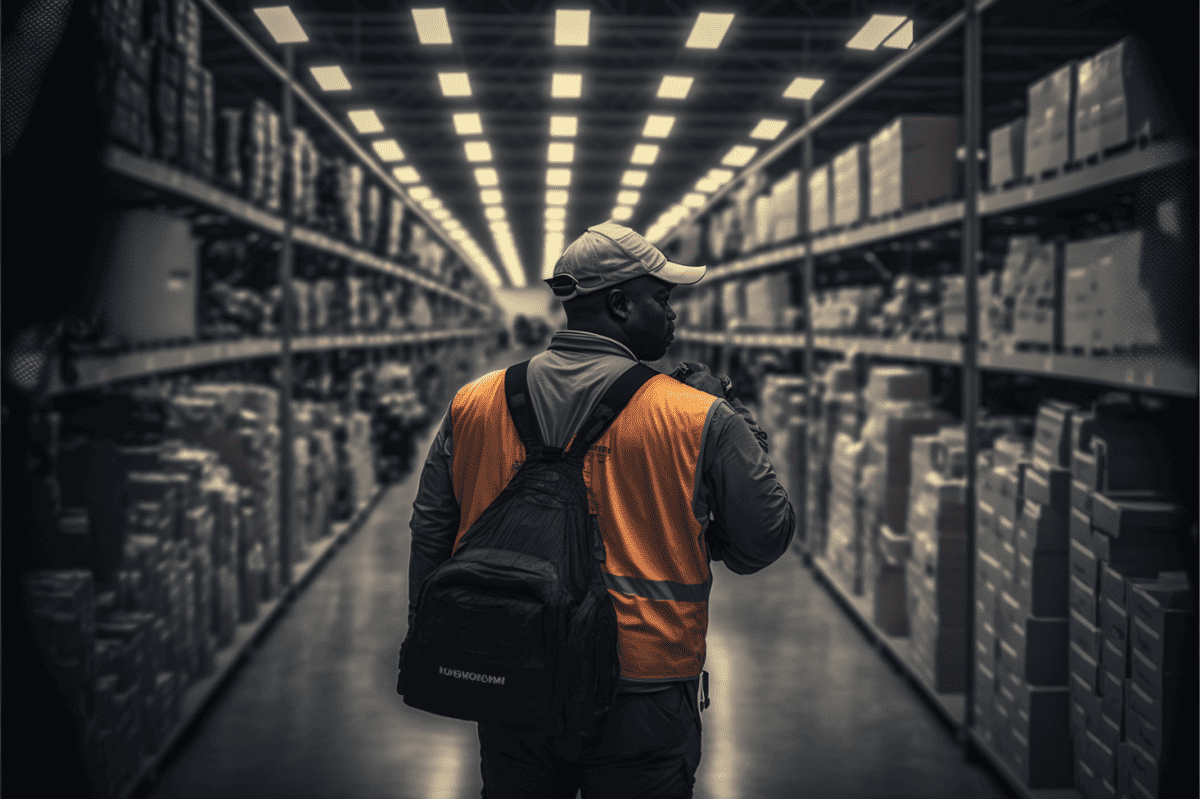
(1160,375)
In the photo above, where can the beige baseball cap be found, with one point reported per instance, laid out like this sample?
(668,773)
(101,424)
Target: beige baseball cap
(609,254)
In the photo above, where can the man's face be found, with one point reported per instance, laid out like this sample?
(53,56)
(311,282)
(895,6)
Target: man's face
(650,327)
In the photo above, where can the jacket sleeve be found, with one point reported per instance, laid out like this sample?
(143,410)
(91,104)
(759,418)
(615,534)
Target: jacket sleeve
(435,516)
(752,520)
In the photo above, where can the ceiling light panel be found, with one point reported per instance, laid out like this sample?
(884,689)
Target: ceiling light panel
(365,121)
(478,151)
(420,192)
(658,127)
(622,213)
(571,28)
(566,85)
(564,126)
(431,203)
(494,212)
(708,31)
(675,87)
(455,84)
(556,213)
(693,200)
(406,174)
(491,197)
(556,225)
(739,155)
(558,177)
(803,88)
(330,79)
(432,26)
(628,197)
(902,39)
(634,177)
(721,176)
(282,24)
(561,152)
(467,124)
(388,150)
(487,177)
(556,197)
(458,234)
(768,129)
(707,185)
(441,213)
(878,28)
(644,154)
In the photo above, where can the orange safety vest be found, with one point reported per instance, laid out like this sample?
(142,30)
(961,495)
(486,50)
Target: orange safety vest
(641,477)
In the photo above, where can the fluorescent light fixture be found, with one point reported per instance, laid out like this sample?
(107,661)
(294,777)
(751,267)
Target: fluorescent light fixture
(556,213)
(556,225)
(487,177)
(553,250)
(658,127)
(693,200)
(491,197)
(441,213)
(803,88)
(494,212)
(721,176)
(451,224)
(622,213)
(366,121)
(406,174)
(282,24)
(455,84)
(564,126)
(558,177)
(644,154)
(556,197)
(431,203)
(467,124)
(432,26)
(500,227)
(478,151)
(739,155)
(768,129)
(565,85)
(561,152)
(628,197)
(330,79)
(634,177)
(571,28)
(675,87)
(708,31)
(458,234)
(902,39)
(388,150)
(707,185)
(878,28)
(420,193)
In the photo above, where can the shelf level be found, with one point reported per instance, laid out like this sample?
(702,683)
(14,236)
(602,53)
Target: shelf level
(167,178)
(198,696)
(99,370)
(952,706)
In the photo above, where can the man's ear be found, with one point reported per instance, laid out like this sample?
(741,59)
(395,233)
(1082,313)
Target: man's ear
(618,303)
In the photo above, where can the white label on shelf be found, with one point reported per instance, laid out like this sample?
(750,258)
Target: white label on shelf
(1048,364)
(1150,377)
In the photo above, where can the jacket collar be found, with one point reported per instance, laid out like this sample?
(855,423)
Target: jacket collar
(584,342)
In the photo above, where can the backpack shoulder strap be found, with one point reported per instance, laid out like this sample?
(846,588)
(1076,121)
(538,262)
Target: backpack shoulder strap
(516,391)
(609,407)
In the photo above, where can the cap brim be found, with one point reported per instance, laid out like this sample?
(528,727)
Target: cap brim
(679,273)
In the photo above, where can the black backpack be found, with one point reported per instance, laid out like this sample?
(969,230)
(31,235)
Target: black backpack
(517,627)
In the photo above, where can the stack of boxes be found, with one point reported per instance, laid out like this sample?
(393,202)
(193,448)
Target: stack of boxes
(845,540)
(356,463)
(1006,154)
(1106,305)
(258,150)
(1023,307)
(304,168)
(820,199)
(912,162)
(767,298)
(125,77)
(1115,100)
(1048,128)
(834,391)
(851,185)
(782,399)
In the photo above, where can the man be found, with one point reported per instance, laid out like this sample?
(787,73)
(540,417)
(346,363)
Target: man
(679,478)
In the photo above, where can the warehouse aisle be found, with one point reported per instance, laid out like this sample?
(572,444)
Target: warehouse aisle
(802,705)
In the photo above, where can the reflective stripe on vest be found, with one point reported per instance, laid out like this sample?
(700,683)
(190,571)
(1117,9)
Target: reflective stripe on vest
(659,583)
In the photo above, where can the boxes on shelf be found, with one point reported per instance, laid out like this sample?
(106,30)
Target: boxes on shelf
(724,233)
(783,209)
(851,190)
(1116,100)
(820,199)
(1048,132)
(1006,153)
(1108,302)
(845,541)
(745,204)
(764,299)
(912,161)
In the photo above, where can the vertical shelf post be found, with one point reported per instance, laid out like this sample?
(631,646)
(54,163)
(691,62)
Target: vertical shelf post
(809,282)
(970,371)
(286,431)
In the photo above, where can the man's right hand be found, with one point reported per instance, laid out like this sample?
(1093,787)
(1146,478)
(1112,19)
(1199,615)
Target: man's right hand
(699,376)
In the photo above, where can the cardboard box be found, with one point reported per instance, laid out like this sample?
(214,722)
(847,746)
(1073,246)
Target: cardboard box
(1083,467)
(1081,499)
(1043,528)
(1110,730)
(1169,642)
(851,190)
(1085,667)
(1088,636)
(1080,527)
(1100,757)
(1160,714)
(1036,650)
(940,654)
(1006,153)
(1112,691)
(1051,488)
(1126,520)
(1115,579)
(1041,583)
(1084,565)
(1042,756)
(820,194)
(1114,622)
(889,597)
(1116,100)
(912,161)
(1052,432)
(1143,733)
(1048,132)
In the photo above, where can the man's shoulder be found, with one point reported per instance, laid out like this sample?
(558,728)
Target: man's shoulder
(481,386)
(668,393)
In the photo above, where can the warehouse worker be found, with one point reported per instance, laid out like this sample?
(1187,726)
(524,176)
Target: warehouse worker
(680,478)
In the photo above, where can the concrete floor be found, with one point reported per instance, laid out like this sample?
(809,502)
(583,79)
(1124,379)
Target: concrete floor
(802,705)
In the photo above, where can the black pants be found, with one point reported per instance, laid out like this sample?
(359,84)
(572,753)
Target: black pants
(647,747)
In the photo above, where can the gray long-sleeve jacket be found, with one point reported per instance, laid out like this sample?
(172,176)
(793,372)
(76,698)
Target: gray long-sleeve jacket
(751,523)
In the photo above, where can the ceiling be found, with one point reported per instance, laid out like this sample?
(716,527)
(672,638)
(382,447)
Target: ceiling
(507,48)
